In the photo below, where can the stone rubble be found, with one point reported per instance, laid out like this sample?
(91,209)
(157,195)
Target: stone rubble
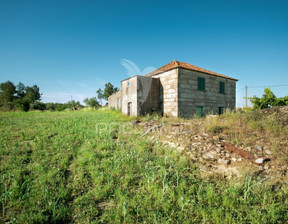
(209,154)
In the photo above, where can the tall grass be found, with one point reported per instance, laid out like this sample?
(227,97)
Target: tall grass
(56,168)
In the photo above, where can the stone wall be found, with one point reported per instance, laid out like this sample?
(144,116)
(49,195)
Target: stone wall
(143,94)
(129,95)
(168,95)
(210,99)
(114,101)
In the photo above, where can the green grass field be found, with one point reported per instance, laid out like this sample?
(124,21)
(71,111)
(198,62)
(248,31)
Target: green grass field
(56,167)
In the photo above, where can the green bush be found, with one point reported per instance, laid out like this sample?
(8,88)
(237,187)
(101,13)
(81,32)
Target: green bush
(22,105)
(38,106)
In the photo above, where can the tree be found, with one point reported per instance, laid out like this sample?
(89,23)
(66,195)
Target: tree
(268,100)
(74,105)
(61,106)
(51,106)
(100,95)
(32,94)
(20,90)
(92,102)
(108,91)
(7,94)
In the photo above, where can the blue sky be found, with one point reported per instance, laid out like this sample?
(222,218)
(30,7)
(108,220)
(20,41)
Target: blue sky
(71,48)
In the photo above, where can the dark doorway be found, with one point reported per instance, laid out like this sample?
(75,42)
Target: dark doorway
(129,109)
(221,110)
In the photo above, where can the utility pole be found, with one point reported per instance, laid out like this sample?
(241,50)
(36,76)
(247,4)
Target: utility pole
(246,97)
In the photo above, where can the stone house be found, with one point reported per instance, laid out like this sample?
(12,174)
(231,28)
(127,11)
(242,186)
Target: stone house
(177,89)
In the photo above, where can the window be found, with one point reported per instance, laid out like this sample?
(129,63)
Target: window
(222,87)
(221,110)
(201,83)
(199,111)
(128,84)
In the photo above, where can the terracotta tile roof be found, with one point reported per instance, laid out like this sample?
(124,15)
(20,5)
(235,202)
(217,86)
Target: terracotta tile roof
(177,64)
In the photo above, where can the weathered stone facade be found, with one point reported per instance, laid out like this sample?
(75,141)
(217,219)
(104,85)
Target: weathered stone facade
(174,91)
(168,92)
(115,100)
(129,96)
(210,99)
(140,95)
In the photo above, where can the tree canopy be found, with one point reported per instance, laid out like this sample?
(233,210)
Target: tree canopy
(108,91)
(19,97)
(91,102)
(268,100)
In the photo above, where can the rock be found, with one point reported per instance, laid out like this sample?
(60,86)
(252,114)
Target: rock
(224,161)
(234,159)
(268,152)
(259,148)
(266,167)
(260,167)
(259,160)
(171,144)
(209,156)
(192,156)
(180,148)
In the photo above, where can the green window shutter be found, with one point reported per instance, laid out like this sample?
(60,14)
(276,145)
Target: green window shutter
(201,83)
(199,111)
(222,87)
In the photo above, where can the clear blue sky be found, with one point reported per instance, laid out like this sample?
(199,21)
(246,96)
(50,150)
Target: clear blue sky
(71,48)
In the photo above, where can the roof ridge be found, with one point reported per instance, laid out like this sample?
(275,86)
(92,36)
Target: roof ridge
(177,64)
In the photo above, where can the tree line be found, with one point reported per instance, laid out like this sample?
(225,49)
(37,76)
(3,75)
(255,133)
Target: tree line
(24,98)
(19,97)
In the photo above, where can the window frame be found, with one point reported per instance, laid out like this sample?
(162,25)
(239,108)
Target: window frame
(201,84)
(222,87)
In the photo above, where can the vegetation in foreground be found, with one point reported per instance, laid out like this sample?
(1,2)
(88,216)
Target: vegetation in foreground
(62,168)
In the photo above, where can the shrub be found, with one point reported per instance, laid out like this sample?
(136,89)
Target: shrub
(268,100)
(38,106)
(22,105)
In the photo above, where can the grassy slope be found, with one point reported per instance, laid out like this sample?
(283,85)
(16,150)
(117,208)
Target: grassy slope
(55,167)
